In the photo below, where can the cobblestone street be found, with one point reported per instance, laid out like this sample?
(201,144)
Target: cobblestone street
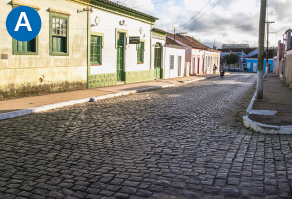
(167,143)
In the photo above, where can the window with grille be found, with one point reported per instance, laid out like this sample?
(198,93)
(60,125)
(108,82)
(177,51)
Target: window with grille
(59,35)
(25,47)
(95,49)
(140,53)
(171,61)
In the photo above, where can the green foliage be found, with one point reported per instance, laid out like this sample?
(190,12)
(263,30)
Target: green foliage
(230,58)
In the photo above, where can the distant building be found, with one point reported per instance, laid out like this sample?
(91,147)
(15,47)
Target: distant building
(242,53)
(224,46)
(252,62)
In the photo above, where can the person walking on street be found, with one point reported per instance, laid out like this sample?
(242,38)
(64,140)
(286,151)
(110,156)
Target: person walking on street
(214,69)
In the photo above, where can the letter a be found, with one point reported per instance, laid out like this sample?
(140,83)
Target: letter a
(23,16)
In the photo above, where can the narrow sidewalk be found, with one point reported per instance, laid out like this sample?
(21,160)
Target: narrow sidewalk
(273,114)
(23,106)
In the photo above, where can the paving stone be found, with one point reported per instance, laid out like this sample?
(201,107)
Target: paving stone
(128,190)
(171,143)
(231,192)
(193,195)
(213,190)
(144,193)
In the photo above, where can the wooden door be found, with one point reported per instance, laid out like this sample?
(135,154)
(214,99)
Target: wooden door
(157,62)
(120,56)
(179,66)
(198,70)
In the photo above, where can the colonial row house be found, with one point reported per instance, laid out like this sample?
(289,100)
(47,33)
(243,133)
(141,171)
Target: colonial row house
(284,69)
(169,56)
(115,55)
(199,58)
(82,44)
(55,60)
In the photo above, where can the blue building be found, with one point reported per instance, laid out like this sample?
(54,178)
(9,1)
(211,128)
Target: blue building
(251,63)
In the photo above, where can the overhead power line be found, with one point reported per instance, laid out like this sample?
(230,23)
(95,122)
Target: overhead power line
(203,14)
(196,14)
(150,4)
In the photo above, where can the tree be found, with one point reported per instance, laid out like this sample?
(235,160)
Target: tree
(230,58)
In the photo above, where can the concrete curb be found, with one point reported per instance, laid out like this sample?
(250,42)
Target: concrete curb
(72,102)
(263,128)
(268,129)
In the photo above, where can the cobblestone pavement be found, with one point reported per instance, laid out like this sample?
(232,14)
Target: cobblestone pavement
(167,143)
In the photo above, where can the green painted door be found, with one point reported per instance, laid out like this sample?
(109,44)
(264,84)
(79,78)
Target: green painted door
(157,62)
(120,56)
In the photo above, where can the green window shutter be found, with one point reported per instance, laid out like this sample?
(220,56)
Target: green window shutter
(140,53)
(59,37)
(19,46)
(95,49)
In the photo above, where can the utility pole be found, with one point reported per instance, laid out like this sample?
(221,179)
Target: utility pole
(267,58)
(174,32)
(261,49)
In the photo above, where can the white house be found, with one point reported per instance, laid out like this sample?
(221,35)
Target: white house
(115,57)
(174,59)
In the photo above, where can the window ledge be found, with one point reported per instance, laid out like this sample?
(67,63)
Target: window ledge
(19,3)
(95,64)
(25,53)
(51,10)
(59,54)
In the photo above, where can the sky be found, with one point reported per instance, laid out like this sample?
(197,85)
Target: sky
(217,21)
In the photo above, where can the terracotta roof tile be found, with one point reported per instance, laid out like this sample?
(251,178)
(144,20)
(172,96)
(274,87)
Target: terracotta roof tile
(187,41)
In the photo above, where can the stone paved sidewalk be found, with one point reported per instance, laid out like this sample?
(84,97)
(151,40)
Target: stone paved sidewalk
(22,106)
(277,99)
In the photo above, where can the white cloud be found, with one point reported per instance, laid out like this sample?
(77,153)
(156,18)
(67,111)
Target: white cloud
(226,21)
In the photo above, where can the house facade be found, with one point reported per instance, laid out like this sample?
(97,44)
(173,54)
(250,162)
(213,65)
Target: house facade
(288,71)
(82,44)
(199,57)
(204,60)
(115,57)
(174,59)
(287,61)
(52,62)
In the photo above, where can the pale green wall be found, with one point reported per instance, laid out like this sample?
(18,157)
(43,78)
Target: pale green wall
(20,74)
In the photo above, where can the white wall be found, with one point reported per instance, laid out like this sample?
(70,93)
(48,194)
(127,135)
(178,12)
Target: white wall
(108,23)
(171,73)
(197,53)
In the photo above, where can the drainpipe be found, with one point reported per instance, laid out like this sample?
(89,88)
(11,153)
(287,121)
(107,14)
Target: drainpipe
(151,48)
(88,50)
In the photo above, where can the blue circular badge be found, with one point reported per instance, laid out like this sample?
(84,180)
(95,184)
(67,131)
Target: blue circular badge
(23,23)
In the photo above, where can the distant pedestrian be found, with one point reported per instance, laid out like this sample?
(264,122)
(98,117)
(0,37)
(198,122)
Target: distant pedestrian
(214,69)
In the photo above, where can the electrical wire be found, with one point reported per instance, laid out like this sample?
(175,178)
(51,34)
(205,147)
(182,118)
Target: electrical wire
(196,14)
(149,4)
(199,25)
(203,14)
